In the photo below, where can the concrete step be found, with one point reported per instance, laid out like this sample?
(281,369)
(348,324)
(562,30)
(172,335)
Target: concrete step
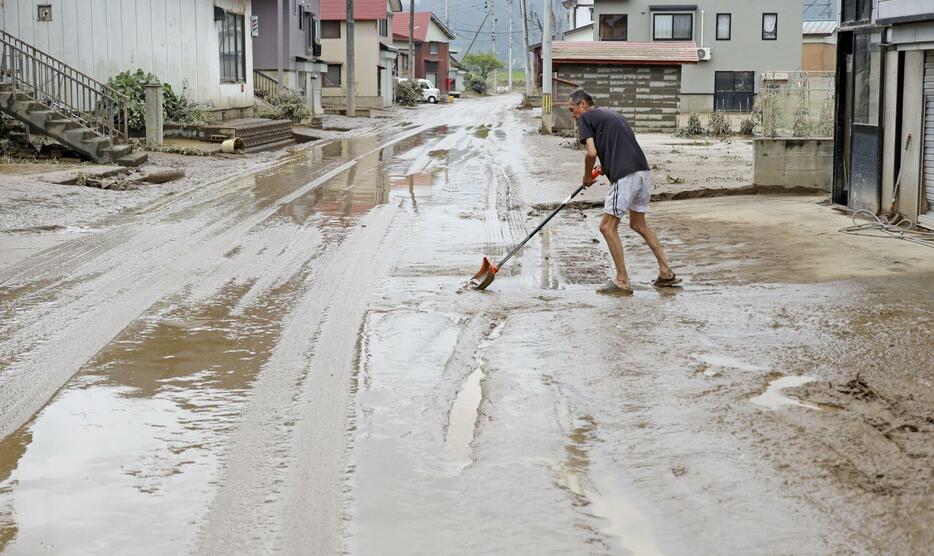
(66,123)
(133,159)
(5,97)
(117,151)
(43,115)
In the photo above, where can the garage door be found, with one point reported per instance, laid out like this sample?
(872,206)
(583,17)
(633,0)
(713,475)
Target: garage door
(927,169)
(648,96)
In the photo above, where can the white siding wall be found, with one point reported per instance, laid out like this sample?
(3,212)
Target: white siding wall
(177,40)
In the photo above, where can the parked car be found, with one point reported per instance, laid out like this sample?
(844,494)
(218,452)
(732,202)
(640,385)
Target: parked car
(430,93)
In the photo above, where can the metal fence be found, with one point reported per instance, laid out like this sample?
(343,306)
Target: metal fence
(63,88)
(796,103)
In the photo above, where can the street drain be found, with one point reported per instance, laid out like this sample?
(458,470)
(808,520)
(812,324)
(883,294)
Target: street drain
(773,398)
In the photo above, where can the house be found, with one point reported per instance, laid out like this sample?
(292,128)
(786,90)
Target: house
(884,137)
(581,34)
(374,55)
(819,51)
(580,13)
(737,41)
(640,80)
(456,73)
(199,47)
(301,39)
(432,38)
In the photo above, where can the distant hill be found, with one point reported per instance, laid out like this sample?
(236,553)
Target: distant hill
(466,17)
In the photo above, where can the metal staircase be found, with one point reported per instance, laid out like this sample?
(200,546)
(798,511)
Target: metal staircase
(59,101)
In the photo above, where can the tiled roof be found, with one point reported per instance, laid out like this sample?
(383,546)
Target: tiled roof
(400,26)
(336,10)
(819,27)
(624,52)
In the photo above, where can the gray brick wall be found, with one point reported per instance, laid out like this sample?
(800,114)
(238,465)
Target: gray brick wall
(647,95)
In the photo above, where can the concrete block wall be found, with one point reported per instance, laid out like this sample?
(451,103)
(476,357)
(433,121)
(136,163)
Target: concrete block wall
(647,95)
(791,162)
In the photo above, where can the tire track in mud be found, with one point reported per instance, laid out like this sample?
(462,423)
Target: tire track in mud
(132,268)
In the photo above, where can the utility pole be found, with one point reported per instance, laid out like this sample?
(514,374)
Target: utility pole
(279,42)
(546,69)
(493,39)
(412,39)
(511,8)
(351,93)
(447,18)
(525,53)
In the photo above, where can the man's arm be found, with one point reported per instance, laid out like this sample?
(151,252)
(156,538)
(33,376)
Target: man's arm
(590,159)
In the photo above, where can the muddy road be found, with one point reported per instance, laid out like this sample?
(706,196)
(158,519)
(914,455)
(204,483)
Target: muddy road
(285,361)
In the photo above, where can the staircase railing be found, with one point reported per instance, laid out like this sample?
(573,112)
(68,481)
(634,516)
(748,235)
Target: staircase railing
(51,81)
(267,87)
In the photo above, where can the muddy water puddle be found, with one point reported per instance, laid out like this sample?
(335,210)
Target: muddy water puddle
(136,437)
(774,397)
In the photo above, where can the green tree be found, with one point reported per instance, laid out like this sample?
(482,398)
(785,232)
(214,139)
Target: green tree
(479,67)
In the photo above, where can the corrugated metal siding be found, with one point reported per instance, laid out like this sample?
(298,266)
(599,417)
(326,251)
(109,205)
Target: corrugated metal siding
(176,40)
(648,96)
(927,167)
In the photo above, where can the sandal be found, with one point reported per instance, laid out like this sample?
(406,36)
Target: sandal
(672,281)
(611,287)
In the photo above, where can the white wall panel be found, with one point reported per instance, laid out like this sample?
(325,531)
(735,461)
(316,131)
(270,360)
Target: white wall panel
(174,39)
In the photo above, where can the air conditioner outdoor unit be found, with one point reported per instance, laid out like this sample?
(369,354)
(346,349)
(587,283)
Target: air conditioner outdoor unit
(703,53)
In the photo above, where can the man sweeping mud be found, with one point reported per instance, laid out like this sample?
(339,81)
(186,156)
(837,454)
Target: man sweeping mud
(609,137)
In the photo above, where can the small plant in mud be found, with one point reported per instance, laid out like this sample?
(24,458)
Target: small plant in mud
(719,125)
(693,127)
(289,105)
(674,179)
(747,127)
(802,116)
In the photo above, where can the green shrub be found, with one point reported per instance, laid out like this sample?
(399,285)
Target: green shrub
(175,108)
(692,129)
(719,125)
(287,105)
(747,127)
(475,83)
(408,92)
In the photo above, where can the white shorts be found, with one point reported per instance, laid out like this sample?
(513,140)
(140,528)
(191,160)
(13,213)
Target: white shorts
(630,193)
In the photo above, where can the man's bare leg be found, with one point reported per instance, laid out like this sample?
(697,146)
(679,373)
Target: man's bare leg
(609,227)
(638,224)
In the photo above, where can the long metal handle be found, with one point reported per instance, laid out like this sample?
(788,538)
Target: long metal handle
(542,225)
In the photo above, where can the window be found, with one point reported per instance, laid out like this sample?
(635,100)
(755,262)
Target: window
(330,29)
(734,91)
(232,43)
(433,48)
(333,76)
(383,27)
(856,10)
(769,27)
(614,27)
(673,27)
(866,80)
(724,27)
(301,17)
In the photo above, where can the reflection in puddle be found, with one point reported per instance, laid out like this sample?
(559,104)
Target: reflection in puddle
(463,417)
(716,364)
(773,398)
(135,438)
(621,517)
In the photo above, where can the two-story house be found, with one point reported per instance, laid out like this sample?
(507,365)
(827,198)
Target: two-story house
(300,33)
(200,47)
(884,136)
(737,42)
(432,41)
(374,55)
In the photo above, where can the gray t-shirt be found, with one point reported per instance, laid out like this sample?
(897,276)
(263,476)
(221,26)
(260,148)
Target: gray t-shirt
(620,154)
